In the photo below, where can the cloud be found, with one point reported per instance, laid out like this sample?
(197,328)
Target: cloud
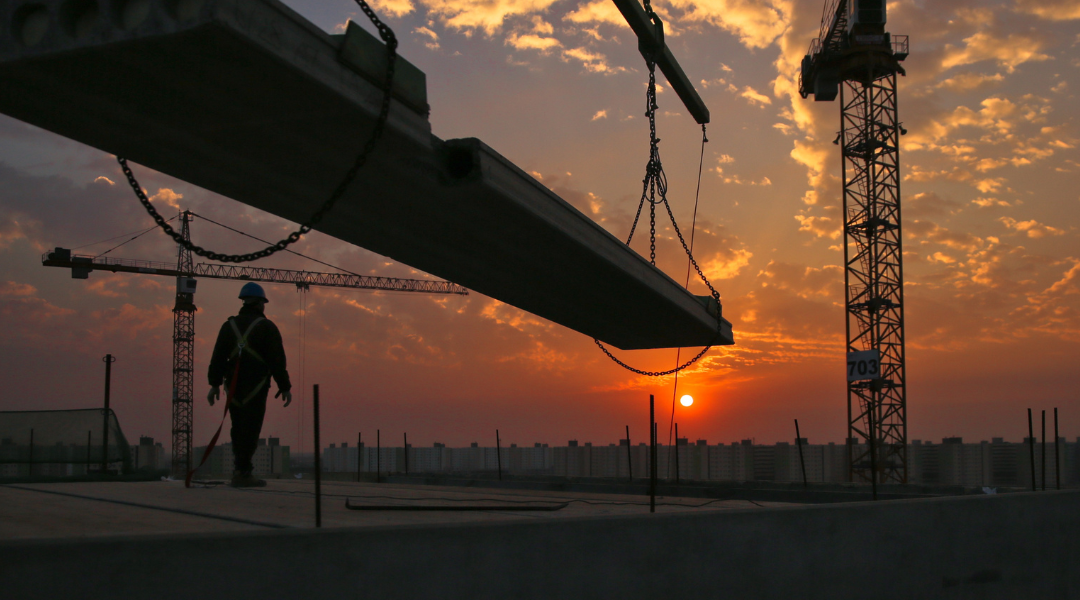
(941,258)
(14,288)
(1053,10)
(738,180)
(433,43)
(1032,228)
(807,282)
(532,42)
(592,61)
(996,118)
(1010,52)
(397,8)
(926,204)
(726,267)
(597,11)
(820,226)
(990,203)
(168,197)
(757,24)
(600,114)
(483,15)
(968,82)
(755,97)
(816,157)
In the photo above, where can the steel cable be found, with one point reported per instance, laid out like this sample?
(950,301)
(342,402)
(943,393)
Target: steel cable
(655,184)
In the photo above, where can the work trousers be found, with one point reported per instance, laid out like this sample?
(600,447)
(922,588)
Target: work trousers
(247,423)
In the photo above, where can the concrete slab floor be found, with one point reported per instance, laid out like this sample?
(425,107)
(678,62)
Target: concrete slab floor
(91,509)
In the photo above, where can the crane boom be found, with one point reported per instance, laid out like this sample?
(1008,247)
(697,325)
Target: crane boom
(81,265)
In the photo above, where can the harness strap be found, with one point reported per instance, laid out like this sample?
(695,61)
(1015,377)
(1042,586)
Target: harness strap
(241,340)
(217,434)
(241,347)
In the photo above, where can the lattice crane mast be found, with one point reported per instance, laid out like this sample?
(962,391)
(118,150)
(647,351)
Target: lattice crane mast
(186,273)
(855,56)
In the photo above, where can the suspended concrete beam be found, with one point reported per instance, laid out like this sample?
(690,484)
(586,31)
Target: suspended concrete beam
(247,99)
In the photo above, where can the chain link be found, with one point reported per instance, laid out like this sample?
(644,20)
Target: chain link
(654,184)
(391,42)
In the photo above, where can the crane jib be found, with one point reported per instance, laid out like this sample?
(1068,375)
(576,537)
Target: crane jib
(82,265)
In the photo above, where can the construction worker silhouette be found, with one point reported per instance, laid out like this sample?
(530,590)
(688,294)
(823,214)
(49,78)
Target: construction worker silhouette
(247,354)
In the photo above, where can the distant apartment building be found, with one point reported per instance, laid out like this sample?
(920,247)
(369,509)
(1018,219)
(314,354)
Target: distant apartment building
(951,462)
(271,459)
(148,456)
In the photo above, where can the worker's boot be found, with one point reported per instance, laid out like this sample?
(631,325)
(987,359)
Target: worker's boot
(242,479)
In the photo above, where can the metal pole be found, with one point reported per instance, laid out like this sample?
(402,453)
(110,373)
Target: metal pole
(1031,449)
(406,452)
(798,442)
(378,456)
(359,455)
(1043,450)
(652,454)
(498,453)
(318,459)
(873,453)
(108,360)
(676,454)
(1057,454)
(656,454)
(30,467)
(629,460)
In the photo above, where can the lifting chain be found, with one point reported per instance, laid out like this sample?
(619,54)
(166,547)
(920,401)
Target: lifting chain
(391,42)
(654,191)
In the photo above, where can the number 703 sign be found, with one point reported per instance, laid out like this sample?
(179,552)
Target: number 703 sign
(863,365)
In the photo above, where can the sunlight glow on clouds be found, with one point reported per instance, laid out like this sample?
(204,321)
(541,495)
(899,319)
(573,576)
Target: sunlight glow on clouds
(484,15)
(397,8)
(1009,52)
(1055,10)
(1032,228)
(756,23)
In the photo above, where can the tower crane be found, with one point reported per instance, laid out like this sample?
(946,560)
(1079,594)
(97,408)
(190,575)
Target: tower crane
(186,273)
(855,56)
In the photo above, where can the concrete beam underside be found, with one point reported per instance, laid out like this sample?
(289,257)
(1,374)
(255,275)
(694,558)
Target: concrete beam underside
(249,100)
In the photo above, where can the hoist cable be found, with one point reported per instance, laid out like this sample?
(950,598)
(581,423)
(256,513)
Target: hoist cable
(118,237)
(129,240)
(655,184)
(390,40)
(286,250)
(693,230)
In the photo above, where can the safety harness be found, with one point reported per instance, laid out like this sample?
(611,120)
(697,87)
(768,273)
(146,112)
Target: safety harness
(242,346)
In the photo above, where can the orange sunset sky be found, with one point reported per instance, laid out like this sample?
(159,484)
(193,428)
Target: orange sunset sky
(991,200)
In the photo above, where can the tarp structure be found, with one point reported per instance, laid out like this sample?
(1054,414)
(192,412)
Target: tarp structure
(42,437)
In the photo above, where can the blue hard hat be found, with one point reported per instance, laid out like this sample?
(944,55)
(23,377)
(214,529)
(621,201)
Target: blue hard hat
(252,290)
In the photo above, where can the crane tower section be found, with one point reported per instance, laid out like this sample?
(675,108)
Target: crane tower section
(183,383)
(855,58)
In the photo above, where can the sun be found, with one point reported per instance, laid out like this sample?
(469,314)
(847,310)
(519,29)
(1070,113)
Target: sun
(686,400)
